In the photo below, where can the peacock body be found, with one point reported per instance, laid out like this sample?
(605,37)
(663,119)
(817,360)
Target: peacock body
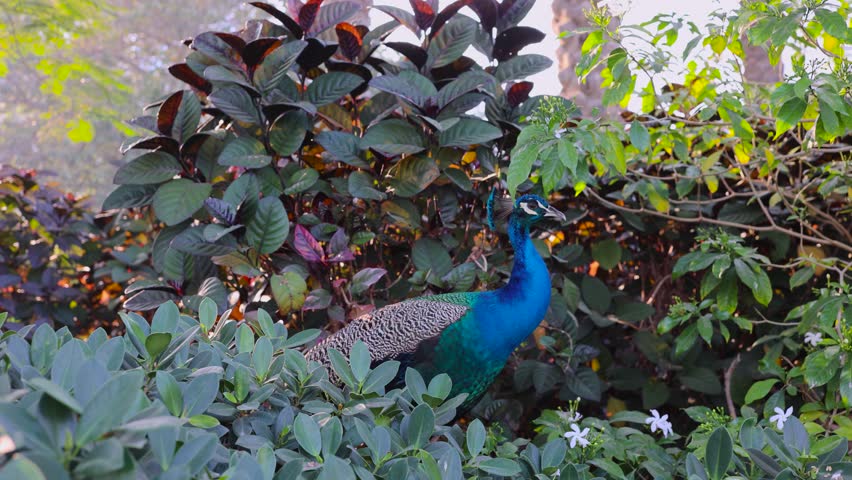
(468,336)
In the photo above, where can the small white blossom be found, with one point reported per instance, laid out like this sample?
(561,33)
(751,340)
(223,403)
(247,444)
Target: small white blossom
(575,436)
(660,423)
(781,416)
(577,417)
(813,338)
(837,476)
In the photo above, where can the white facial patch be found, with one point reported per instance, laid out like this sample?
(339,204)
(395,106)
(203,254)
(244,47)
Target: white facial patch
(525,207)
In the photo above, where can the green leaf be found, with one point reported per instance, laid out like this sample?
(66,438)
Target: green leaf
(21,468)
(820,367)
(521,66)
(407,84)
(475,438)
(500,466)
(719,452)
(341,146)
(361,184)
(55,392)
(365,279)
(413,174)
(451,42)
(801,277)
(359,359)
(148,168)
(308,434)
(120,390)
(261,357)
(169,392)
(179,199)
(834,24)
(380,377)
(331,86)
(289,291)
(467,132)
(429,255)
(269,227)
(237,104)
(420,426)
(288,132)
(245,152)
(607,253)
(393,137)
(273,69)
(727,296)
(639,136)
(130,196)
(789,115)
(760,389)
(156,344)
(203,421)
(595,294)
(301,181)
(693,262)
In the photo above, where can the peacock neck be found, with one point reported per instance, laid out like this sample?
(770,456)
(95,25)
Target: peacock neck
(520,305)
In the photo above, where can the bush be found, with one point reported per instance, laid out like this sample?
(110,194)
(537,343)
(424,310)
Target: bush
(211,398)
(61,263)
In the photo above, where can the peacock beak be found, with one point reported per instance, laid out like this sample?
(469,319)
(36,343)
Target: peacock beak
(552,212)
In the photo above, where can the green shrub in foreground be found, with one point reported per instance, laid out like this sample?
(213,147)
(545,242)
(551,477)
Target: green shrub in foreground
(213,398)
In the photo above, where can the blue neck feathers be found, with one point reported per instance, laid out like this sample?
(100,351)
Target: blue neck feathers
(516,309)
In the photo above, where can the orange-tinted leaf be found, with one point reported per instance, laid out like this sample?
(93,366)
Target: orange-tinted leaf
(518,93)
(182,72)
(424,15)
(308,13)
(282,17)
(350,40)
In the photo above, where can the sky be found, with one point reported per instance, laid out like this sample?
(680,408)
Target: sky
(541,17)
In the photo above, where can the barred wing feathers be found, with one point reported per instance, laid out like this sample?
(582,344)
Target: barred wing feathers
(396,331)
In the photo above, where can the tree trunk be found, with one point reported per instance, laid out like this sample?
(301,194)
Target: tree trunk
(568,15)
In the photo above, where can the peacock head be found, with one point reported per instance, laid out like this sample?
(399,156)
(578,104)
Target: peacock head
(527,209)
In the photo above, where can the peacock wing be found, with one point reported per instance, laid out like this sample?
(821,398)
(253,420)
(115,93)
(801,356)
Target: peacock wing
(405,331)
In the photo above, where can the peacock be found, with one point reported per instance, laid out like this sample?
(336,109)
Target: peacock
(469,335)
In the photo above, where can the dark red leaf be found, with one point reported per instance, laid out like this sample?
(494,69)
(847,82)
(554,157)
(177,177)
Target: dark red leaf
(315,53)
(417,55)
(282,17)
(182,72)
(308,13)
(364,30)
(486,10)
(350,40)
(518,93)
(454,69)
(424,14)
(257,50)
(234,41)
(306,245)
(167,113)
(512,40)
(446,14)
(166,144)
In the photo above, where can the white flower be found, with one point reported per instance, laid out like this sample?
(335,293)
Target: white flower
(837,476)
(576,436)
(781,416)
(813,338)
(577,417)
(661,423)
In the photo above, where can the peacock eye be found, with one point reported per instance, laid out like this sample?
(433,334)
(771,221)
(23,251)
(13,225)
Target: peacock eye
(526,208)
